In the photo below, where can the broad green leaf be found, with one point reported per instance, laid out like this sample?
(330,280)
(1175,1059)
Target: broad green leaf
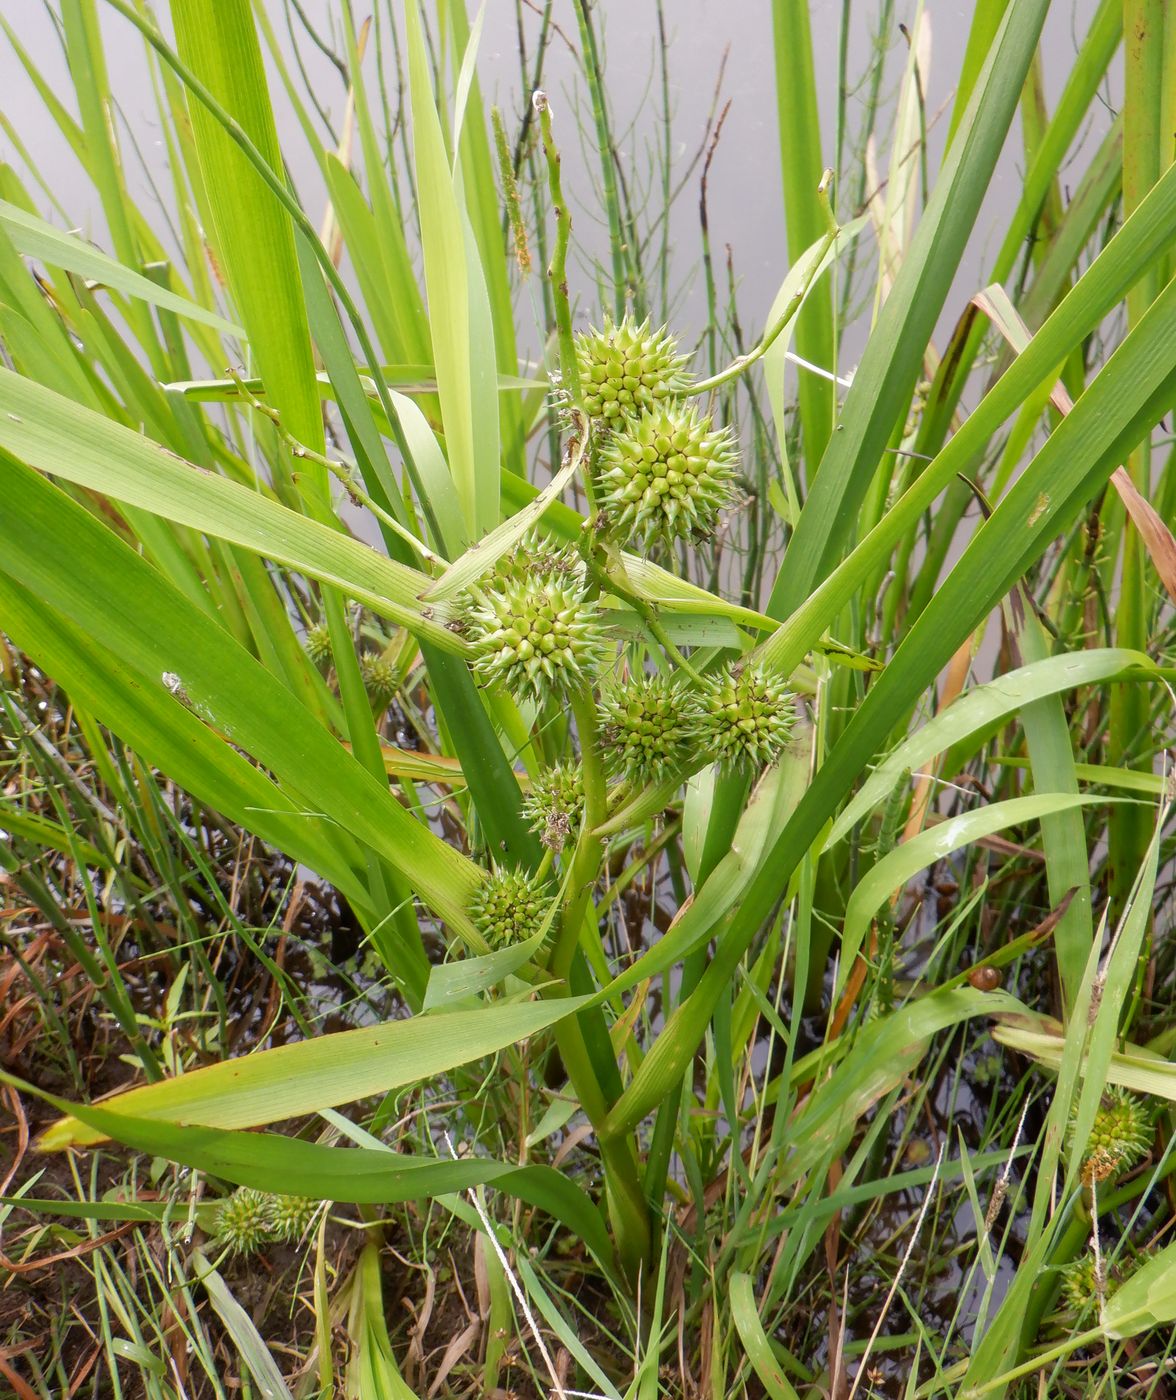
(746,1318)
(802,162)
(59,437)
(1146,1299)
(455,982)
(239,1325)
(372,1373)
(291,1080)
(102,678)
(1063,834)
(482,557)
(371,1175)
(773,800)
(194,677)
(1133,1067)
(447,284)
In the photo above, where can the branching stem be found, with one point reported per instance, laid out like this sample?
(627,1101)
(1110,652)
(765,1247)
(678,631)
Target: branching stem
(758,351)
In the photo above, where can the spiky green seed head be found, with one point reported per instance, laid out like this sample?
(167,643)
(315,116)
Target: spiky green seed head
(537,634)
(666,475)
(1081,1285)
(1122,1135)
(651,727)
(554,807)
(245,1221)
(538,554)
(318,644)
(750,714)
(509,907)
(627,367)
(379,679)
(293,1216)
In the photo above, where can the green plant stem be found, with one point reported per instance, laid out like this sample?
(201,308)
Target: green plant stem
(1035,1363)
(617,581)
(626,1201)
(569,368)
(760,349)
(801,164)
(589,848)
(616,239)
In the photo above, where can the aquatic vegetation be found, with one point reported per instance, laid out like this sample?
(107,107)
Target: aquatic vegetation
(796,663)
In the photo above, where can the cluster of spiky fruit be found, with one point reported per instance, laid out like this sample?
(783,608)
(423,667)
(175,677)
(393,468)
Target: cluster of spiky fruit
(750,714)
(249,1220)
(1083,1287)
(651,727)
(1121,1136)
(666,475)
(626,368)
(663,473)
(293,1216)
(379,680)
(554,806)
(509,907)
(318,644)
(534,631)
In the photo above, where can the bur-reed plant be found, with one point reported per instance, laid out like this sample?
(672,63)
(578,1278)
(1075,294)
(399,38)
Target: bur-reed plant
(653,745)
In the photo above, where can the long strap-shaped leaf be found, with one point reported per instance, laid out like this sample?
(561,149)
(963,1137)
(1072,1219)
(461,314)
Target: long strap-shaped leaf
(253,233)
(1144,237)
(170,737)
(893,356)
(64,557)
(1126,399)
(37,239)
(984,705)
(308,1075)
(54,435)
(363,1175)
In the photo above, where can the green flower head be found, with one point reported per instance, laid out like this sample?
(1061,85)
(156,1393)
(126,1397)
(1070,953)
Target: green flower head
(554,807)
(1122,1135)
(750,714)
(318,644)
(379,679)
(1081,1286)
(509,907)
(651,727)
(536,633)
(666,475)
(293,1216)
(627,367)
(537,553)
(245,1220)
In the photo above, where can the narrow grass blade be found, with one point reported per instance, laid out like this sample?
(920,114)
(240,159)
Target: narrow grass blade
(238,1324)
(980,708)
(893,357)
(254,234)
(36,239)
(745,1316)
